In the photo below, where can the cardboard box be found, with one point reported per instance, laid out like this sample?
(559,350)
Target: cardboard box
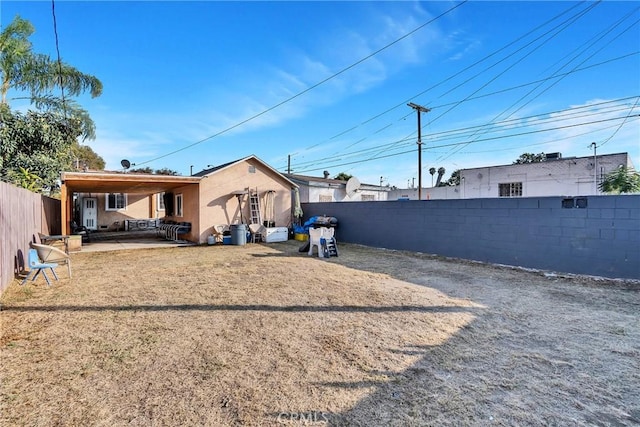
(75,243)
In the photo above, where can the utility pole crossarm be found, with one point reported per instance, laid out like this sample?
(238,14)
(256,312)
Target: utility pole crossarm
(419,109)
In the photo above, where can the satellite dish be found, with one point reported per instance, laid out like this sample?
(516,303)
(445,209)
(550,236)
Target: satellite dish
(125,163)
(353,185)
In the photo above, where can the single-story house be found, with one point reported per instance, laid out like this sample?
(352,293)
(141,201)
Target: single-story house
(222,195)
(315,189)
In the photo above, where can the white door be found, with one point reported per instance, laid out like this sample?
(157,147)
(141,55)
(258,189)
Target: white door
(90,213)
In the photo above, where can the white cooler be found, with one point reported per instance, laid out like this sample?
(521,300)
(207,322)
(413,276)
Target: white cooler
(276,234)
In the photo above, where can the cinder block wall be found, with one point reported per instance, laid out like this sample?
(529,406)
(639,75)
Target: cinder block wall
(592,235)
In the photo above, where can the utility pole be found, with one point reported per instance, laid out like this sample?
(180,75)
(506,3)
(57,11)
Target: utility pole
(595,168)
(289,164)
(419,109)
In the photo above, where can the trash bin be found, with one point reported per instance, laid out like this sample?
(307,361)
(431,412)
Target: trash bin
(238,234)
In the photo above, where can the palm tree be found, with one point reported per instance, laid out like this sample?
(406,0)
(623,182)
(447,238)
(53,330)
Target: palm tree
(441,172)
(23,70)
(432,171)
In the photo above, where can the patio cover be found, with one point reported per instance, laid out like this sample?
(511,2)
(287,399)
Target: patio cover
(105,182)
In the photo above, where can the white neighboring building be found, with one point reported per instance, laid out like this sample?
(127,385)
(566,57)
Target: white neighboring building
(557,176)
(315,189)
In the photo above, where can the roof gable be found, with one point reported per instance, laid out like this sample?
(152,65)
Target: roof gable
(214,170)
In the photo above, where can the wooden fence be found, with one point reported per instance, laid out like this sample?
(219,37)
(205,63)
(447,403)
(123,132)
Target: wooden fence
(23,214)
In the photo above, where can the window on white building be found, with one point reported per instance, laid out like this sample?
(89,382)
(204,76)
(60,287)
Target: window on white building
(115,201)
(510,189)
(179,205)
(368,197)
(160,200)
(325,198)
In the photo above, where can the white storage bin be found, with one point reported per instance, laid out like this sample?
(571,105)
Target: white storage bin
(276,234)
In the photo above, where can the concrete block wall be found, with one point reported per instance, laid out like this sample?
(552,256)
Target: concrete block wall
(601,239)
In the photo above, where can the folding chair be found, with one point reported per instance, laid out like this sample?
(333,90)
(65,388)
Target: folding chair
(36,267)
(50,254)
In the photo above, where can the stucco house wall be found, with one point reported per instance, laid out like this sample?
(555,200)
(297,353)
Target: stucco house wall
(138,206)
(218,205)
(316,189)
(208,197)
(190,205)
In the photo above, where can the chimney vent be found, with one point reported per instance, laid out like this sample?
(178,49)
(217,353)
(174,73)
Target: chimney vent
(326,174)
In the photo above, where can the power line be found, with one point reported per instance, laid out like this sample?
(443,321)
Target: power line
(626,118)
(558,116)
(484,96)
(403,103)
(593,41)
(255,116)
(559,27)
(60,79)
(621,124)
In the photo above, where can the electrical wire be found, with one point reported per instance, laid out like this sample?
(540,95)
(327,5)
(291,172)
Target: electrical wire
(404,102)
(60,79)
(591,43)
(626,118)
(558,28)
(555,116)
(310,88)
(621,124)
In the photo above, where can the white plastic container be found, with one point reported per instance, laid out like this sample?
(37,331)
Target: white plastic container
(276,234)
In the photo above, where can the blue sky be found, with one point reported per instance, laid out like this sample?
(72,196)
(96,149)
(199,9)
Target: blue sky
(203,83)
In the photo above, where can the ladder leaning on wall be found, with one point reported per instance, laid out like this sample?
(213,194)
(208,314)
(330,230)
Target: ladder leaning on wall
(254,206)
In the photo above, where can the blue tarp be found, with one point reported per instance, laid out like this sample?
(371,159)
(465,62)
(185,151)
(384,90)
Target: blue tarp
(315,220)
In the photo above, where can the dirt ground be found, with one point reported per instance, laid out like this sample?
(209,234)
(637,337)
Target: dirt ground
(265,335)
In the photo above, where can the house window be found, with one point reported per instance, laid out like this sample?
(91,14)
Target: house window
(511,189)
(160,200)
(368,197)
(325,198)
(178,204)
(116,201)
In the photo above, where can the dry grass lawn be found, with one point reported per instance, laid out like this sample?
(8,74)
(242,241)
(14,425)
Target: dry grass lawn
(265,335)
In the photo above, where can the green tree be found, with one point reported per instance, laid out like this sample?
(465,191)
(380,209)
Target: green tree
(84,156)
(621,180)
(455,178)
(145,169)
(166,171)
(148,170)
(38,143)
(530,158)
(343,176)
(38,75)
(25,179)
